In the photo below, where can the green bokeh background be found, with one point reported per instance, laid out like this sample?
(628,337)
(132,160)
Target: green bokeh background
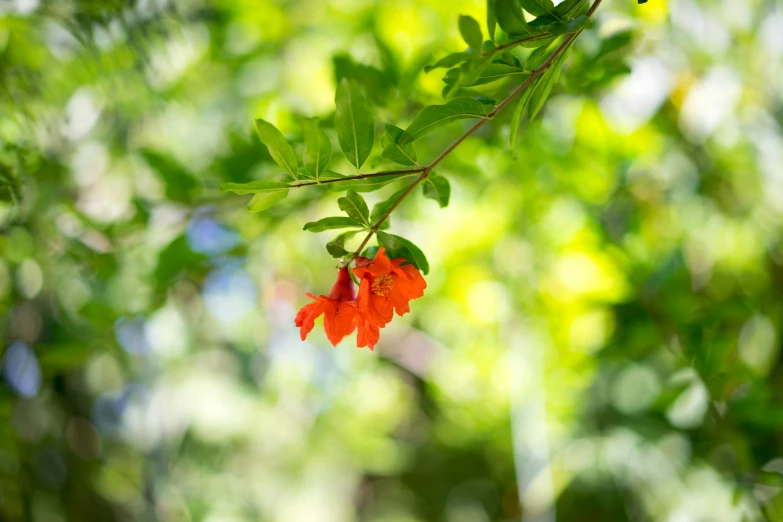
(600,336)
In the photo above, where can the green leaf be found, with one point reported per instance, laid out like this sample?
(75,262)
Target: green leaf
(540,8)
(547,83)
(336,247)
(9,189)
(470,30)
(538,57)
(330,174)
(541,22)
(354,124)
(486,100)
(492,19)
(356,208)
(265,200)
(450,60)
(400,247)
(389,61)
(304,173)
(278,147)
(179,183)
(516,118)
(438,188)
(175,258)
(382,207)
(370,252)
(511,19)
(331,223)
(565,8)
(614,42)
(467,74)
(436,116)
(540,40)
(377,84)
(393,151)
(488,46)
(570,26)
(64,355)
(493,73)
(253,187)
(508,58)
(318,148)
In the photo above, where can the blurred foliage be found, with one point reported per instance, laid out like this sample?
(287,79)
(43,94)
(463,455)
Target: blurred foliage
(601,334)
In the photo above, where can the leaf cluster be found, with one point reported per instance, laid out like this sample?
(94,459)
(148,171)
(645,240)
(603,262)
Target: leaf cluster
(526,39)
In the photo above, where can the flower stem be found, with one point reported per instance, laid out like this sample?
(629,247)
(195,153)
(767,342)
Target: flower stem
(424,172)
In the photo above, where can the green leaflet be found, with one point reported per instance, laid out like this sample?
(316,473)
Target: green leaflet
(393,151)
(488,46)
(450,60)
(436,116)
(336,247)
(253,187)
(544,24)
(265,200)
(354,123)
(389,63)
(570,26)
(511,19)
(486,101)
(318,148)
(614,42)
(9,191)
(278,147)
(508,58)
(330,174)
(377,84)
(541,40)
(470,30)
(538,57)
(380,208)
(438,188)
(176,258)
(356,208)
(547,83)
(331,223)
(516,118)
(400,247)
(370,252)
(178,182)
(468,73)
(540,8)
(565,8)
(492,19)
(493,73)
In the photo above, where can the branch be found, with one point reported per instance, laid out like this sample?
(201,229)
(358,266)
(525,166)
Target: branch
(516,92)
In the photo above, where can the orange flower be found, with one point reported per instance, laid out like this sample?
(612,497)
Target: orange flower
(368,333)
(386,287)
(338,308)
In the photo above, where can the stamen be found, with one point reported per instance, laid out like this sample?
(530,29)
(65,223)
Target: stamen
(381,285)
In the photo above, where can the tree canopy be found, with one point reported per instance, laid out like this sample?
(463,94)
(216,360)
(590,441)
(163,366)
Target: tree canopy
(592,192)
